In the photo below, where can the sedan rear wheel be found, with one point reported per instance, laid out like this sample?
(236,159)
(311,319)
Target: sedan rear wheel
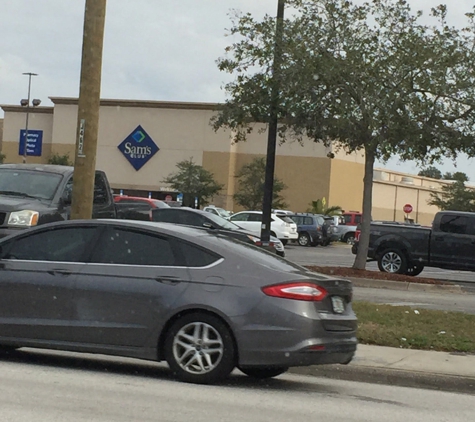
(392,261)
(304,239)
(199,348)
(263,372)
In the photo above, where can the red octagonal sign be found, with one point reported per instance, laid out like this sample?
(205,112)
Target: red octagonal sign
(407,208)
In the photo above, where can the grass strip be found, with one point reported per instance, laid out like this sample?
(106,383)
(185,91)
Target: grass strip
(402,326)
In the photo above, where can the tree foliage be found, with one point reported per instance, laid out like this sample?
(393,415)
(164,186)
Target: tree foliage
(458,176)
(62,160)
(432,172)
(2,158)
(192,180)
(320,207)
(454,196)
(250,190)
(370,76)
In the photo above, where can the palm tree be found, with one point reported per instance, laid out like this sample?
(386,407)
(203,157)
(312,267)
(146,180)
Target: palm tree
(320,207)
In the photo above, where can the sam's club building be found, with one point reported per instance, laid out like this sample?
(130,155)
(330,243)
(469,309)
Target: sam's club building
(140,143)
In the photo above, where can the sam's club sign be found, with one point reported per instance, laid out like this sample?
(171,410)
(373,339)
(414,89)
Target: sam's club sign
(34,143)
(138,148)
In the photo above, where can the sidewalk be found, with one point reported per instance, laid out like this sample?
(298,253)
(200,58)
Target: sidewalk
(404,367)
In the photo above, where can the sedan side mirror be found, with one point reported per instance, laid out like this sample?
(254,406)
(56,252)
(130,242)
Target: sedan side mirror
(208,225)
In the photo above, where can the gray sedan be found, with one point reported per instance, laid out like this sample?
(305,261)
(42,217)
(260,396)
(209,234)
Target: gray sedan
(203,302)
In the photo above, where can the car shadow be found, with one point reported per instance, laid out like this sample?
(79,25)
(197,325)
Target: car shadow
(148,369)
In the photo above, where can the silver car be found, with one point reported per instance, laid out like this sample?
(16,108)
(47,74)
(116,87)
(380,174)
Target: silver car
(204,302)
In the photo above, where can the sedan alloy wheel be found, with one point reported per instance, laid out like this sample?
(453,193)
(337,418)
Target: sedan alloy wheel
(199,348)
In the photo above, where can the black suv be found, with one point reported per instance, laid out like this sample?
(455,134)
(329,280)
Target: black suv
(310,228)
(203,219)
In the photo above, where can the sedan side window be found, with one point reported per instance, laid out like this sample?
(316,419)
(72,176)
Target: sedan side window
(197,257)
(240,217)
(192,219)
(61,245)
(128,247)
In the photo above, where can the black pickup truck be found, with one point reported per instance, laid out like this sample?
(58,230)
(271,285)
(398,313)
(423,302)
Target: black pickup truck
(32,194)
(407,248)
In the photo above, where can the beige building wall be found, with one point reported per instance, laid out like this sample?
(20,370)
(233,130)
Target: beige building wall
(40,118)
(183,131)
(392,190)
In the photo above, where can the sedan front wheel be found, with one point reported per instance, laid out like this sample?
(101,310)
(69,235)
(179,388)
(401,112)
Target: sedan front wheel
(199,348)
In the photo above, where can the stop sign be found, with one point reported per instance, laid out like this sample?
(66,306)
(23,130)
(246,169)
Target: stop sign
(407,208)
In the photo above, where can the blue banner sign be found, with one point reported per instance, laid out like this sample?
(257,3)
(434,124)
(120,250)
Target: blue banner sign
(34,144)
(138,148)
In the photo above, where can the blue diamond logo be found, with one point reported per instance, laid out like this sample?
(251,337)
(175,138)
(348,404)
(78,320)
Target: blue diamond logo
(138,148)
(138,136)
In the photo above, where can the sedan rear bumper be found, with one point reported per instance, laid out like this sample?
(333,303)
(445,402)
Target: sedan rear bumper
(332,353)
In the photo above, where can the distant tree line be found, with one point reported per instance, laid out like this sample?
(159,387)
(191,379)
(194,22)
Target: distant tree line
(455,196)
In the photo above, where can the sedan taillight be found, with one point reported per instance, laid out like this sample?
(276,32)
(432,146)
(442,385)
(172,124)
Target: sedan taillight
(297,290)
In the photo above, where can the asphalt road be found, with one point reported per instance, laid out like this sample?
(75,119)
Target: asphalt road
(339,255)
(64,388)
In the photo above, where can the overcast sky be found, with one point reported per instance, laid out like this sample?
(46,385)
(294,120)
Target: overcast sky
(153,50)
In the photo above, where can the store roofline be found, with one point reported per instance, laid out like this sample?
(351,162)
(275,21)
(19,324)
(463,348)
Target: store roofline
(19,109)
(143,103)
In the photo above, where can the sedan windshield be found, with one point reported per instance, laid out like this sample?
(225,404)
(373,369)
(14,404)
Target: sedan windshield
(33,184)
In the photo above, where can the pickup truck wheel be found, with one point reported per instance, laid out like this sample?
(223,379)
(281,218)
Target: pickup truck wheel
(415,269)
(304,239)
(392,261)
(349,238)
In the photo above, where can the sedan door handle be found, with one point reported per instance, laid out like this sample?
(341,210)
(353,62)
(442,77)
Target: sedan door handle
(168,280)
(59,272)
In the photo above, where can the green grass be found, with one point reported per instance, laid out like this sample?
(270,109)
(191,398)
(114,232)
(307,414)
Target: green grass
(400,326)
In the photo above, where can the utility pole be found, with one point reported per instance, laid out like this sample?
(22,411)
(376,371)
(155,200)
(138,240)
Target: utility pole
(273,120)
(88,110)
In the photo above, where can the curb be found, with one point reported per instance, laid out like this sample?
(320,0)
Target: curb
(405,286)
(399,377)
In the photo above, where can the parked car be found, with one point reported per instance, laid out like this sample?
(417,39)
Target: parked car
(406,248)
(309,228)
(345,227)
(218,211)
(281,227)
(198,218)
(35,194)
(154,203)
(201,301)
(283,212)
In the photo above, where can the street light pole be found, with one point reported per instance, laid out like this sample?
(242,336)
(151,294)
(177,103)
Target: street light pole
(30,74)
(273,121)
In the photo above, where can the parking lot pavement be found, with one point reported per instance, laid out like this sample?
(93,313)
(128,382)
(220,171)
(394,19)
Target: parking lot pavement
(339,255)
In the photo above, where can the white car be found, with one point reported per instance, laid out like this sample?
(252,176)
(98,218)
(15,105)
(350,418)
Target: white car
(281,227)
(217,211)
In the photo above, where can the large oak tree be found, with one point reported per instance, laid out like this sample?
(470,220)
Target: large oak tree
(368,78)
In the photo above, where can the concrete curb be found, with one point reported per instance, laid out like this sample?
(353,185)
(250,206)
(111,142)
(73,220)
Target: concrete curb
(399,377)
(405,286)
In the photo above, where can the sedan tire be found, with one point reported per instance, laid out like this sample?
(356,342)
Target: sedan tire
(263,372)
(392,261)
(199,348)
